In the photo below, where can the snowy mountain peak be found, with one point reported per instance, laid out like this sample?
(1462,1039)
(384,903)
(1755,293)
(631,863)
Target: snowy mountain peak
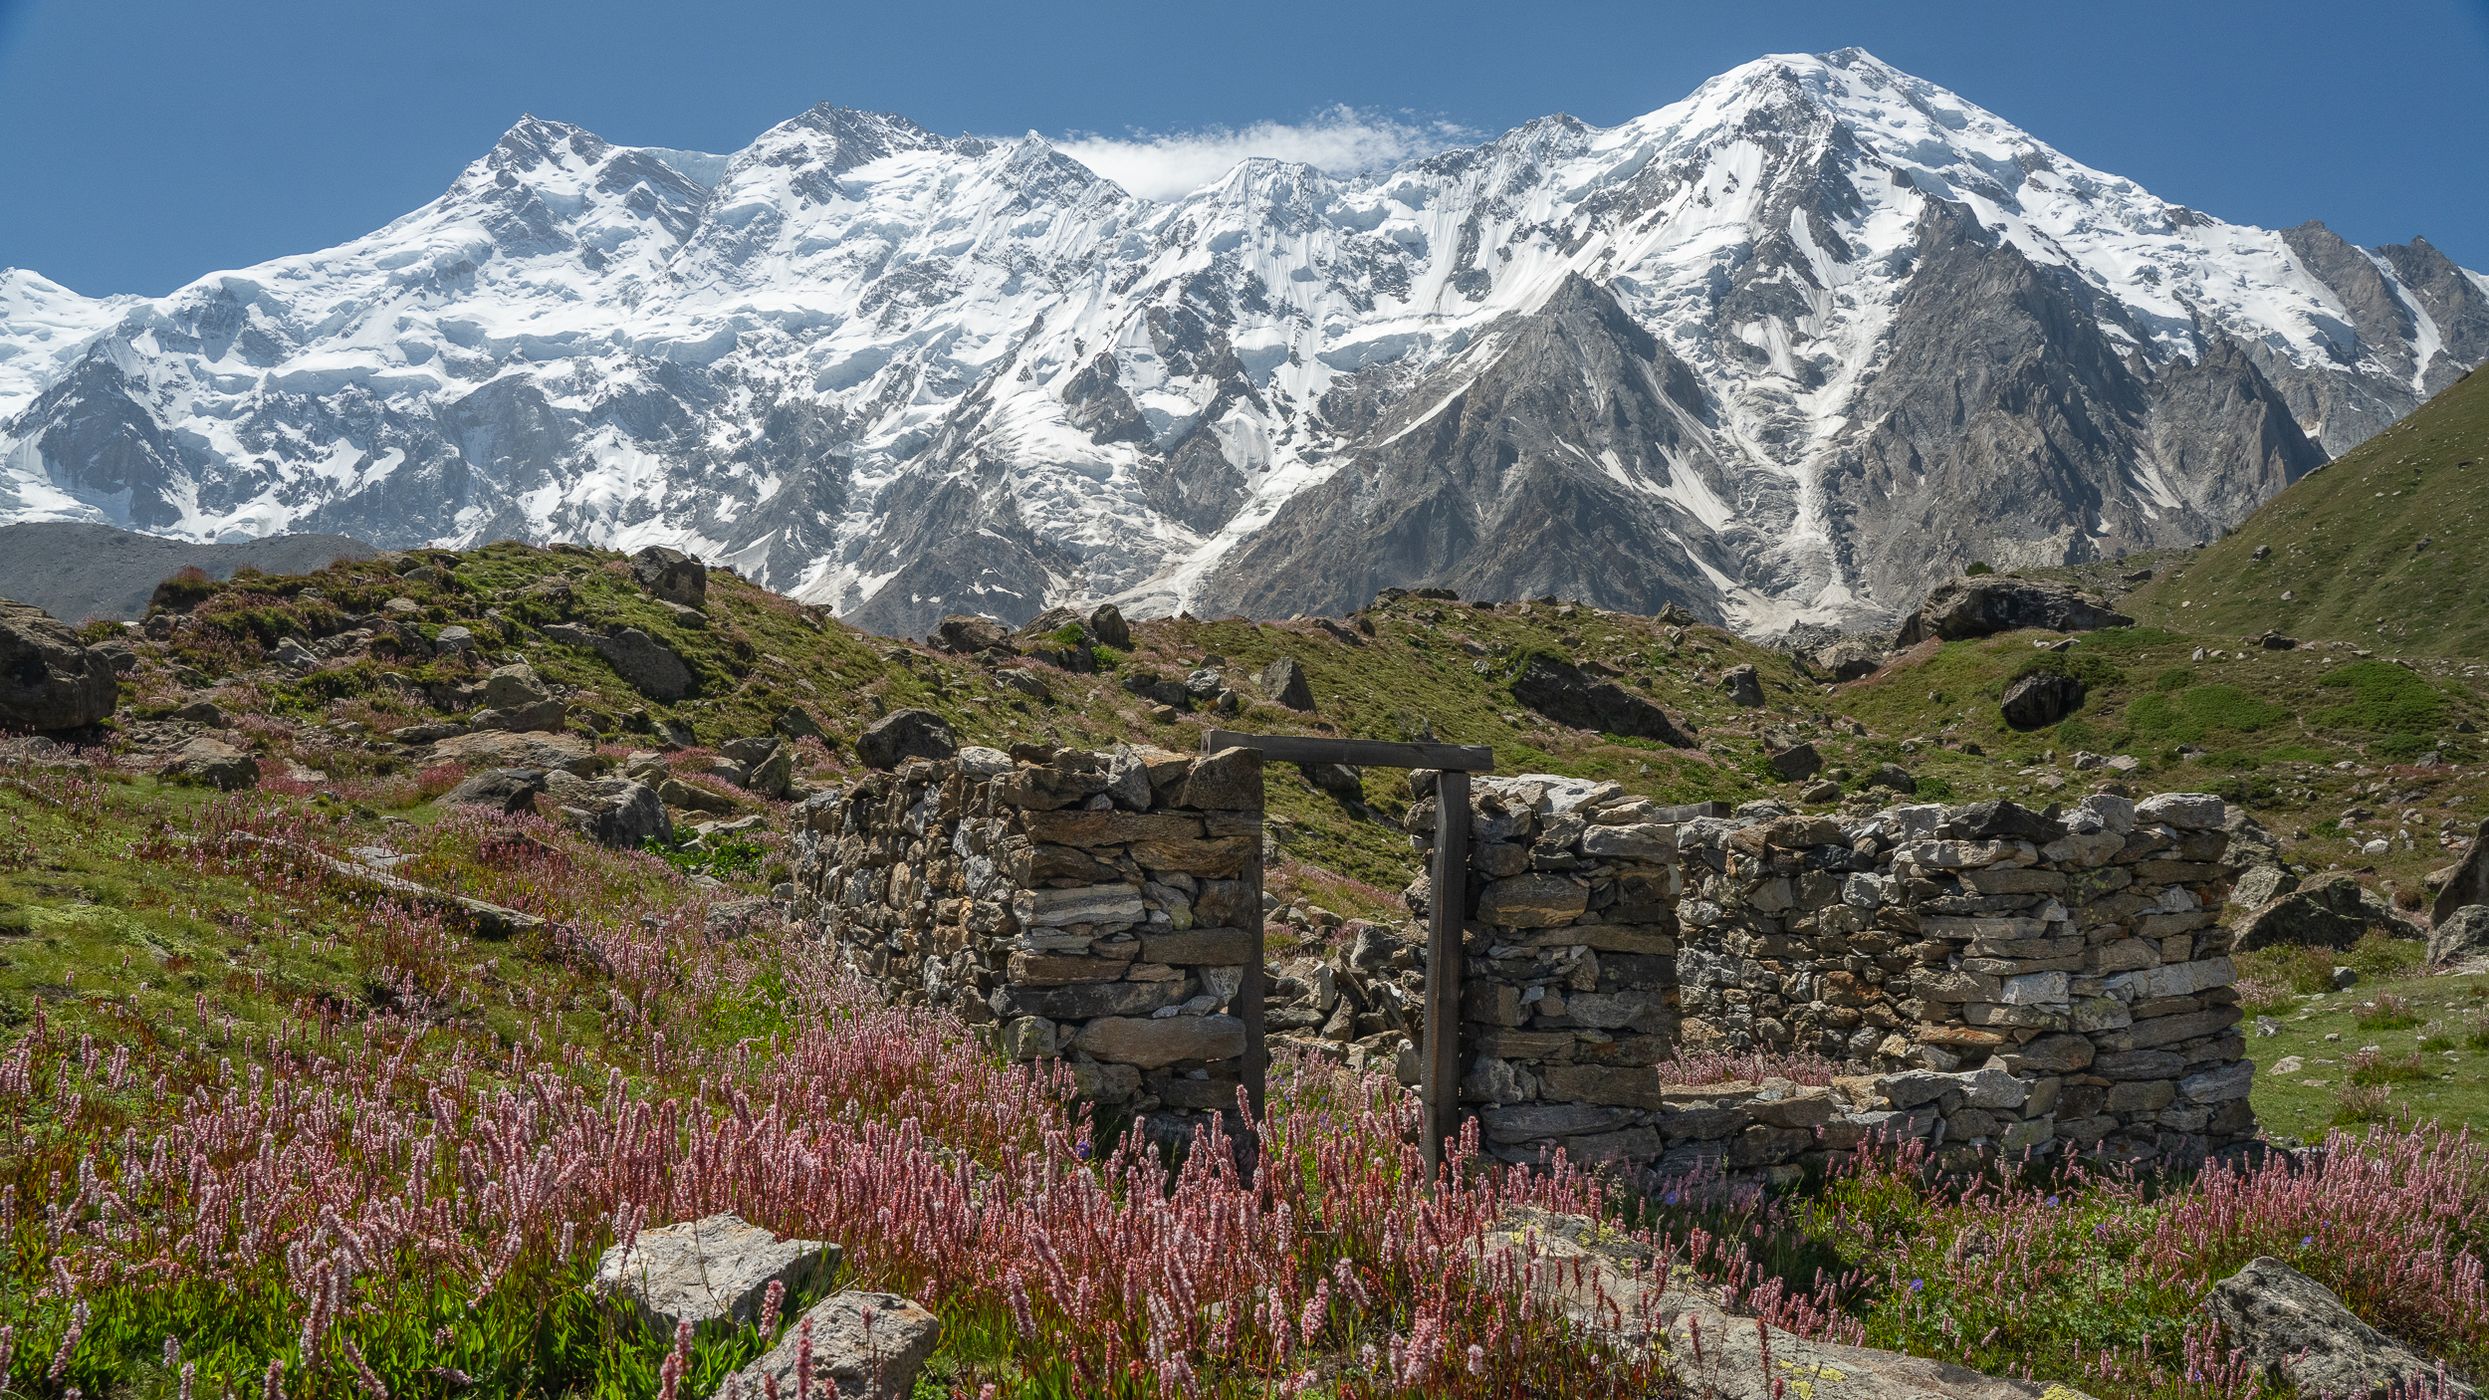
(1783,351)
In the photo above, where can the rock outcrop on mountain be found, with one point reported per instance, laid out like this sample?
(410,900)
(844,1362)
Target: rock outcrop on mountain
(1787,352)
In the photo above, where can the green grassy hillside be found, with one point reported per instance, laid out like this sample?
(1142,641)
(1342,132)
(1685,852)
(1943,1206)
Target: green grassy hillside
(2387,546)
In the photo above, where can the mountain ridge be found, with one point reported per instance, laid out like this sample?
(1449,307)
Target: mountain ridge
(904,374)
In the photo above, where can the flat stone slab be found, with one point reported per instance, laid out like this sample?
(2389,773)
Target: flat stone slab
(864,1346)
(710,1272)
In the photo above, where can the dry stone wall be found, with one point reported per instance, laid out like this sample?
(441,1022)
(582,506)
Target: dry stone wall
(1569,995)
(1097,907)
(1984,978)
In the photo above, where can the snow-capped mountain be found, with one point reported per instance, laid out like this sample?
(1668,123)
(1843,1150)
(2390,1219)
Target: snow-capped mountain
(1785,351)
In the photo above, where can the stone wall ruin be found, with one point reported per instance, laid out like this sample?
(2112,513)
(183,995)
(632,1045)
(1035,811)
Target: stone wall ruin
(1100,908)
(1982,978)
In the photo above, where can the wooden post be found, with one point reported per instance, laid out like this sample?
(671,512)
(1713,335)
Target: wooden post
(1249,994)
(1447,913)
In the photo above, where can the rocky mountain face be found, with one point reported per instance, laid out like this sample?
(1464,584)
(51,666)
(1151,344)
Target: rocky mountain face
(1785,353)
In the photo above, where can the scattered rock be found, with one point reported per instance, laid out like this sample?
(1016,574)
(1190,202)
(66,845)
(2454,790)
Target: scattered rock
(794,723)
(2461,939)
(509,789)
(48,679)
(2302,1335)
(1797,763)
(672,575)
(2041,699)
(864,1346)
(1106,623)
(203,713)
(212,763)
(893,739)
(499,749)
(1338,779)
(1744,686)
(1892,776)
(964,634)
(713,1273)
(1283,680)
(650,666)
(618,812)
(1981,607)
(773,775)
(1558,690)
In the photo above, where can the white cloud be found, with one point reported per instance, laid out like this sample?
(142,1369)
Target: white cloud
(1167,165)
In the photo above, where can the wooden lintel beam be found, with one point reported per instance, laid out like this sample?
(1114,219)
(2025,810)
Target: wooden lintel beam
(1377,753)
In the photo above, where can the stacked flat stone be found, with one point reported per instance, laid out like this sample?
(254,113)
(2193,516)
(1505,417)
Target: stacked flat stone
(1099,908)
(1569,983)
(2079,956)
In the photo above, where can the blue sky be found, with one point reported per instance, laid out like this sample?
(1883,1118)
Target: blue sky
(145,142)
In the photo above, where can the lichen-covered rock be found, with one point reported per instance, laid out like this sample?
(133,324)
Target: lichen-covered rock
(862,1346)
(1284,680)
(2461,939)
(211,762)
(672,575)
(2301,1334)
(618,812)
(713,1272)
(895,738)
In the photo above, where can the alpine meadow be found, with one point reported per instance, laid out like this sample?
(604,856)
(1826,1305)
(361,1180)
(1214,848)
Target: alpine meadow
(1790,749)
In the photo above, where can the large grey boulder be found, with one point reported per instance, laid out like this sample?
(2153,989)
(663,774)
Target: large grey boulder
(2042,698)
(964,634)
(2301,1334)
(2468,883)
(713,1273)
(1558,690)
(211,762)
(863,1346)
(1284,680)
(2328,911)
(672,575)
(895,738)
(1607,1286)
(1744,686)
(1981,607)
(507,789)
(653,668)
(1106,623)
(2461,939)
(49,680)
(498,749)
(617,812)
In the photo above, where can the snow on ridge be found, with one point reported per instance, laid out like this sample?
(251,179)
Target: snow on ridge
(969,318)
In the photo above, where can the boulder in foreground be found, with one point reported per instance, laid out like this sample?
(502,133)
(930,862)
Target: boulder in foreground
(2300,1333)
(49,680)
(863,1346)
(711,1272)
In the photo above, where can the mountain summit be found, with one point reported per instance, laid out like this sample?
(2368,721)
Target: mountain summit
(1783,352)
